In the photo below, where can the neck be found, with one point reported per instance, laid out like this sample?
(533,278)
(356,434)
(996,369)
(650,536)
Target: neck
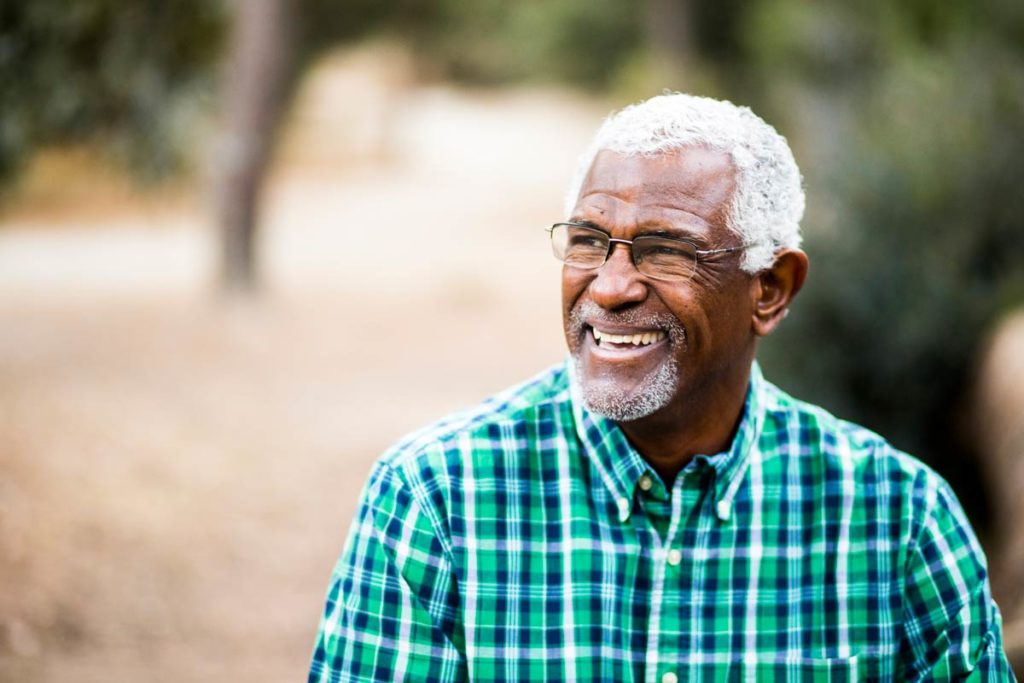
(703,420)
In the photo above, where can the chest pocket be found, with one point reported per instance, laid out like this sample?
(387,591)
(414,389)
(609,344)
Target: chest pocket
(801,670)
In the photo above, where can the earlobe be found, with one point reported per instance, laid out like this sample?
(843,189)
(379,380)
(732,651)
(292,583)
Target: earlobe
(774,289)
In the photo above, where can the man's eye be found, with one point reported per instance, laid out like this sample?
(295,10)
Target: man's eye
(586,241)
(666,251)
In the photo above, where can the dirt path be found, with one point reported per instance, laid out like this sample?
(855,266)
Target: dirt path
(176,475)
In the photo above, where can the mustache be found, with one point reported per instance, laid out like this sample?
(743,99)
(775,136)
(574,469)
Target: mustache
(587,313)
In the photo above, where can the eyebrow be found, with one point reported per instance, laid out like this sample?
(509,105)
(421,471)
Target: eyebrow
(589,224)
(674,234)
(670,233)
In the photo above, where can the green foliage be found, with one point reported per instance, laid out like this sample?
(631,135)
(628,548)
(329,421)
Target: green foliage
(492,41)
(916,218)
(128,74)
(323,23)
(120,71)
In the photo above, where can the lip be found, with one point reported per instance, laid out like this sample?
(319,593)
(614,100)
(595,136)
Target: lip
(607,328)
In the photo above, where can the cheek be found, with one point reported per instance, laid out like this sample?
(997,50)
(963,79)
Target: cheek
(704,314)
(573,285)
(725,321)
(684,301)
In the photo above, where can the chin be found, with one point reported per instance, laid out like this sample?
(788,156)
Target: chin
(604,396)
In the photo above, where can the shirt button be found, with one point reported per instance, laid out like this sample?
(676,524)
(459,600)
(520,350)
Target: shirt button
(723,509)
(646,483)
(623,509)
(669,677)
(675,556)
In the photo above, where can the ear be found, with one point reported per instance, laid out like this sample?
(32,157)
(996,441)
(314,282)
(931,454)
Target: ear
(774,288)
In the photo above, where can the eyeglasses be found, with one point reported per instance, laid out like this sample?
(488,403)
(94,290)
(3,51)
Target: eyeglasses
(660,258)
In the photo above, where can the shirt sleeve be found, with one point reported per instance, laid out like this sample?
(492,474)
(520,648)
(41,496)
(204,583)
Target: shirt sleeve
(392,606)
(952,628)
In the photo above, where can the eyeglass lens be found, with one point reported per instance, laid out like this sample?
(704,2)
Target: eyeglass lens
(657,257)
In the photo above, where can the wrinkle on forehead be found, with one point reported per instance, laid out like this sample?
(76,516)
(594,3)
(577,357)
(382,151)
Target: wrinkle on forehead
(693,185)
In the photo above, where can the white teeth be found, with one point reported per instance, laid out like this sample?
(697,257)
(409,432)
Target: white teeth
(642,338)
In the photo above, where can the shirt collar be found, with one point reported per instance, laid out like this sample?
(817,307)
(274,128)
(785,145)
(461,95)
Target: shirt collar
(621,466)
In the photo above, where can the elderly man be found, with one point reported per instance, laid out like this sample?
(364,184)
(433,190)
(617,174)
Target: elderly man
(654,509)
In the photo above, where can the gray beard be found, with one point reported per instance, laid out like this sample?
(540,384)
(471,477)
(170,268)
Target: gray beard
(603,395)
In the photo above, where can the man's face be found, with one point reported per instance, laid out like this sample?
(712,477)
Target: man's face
(691,333)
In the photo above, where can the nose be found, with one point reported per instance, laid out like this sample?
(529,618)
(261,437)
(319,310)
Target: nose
(618,283)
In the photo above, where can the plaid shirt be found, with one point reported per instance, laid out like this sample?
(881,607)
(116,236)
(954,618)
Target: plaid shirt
(526,540)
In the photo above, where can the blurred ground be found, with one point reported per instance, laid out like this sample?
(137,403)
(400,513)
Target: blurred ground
(176,472)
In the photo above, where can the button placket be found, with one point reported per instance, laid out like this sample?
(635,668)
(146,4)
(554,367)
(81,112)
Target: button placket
(688,496)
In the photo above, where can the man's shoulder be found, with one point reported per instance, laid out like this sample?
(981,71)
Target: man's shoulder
(844,463)
(525,404)
(816,433)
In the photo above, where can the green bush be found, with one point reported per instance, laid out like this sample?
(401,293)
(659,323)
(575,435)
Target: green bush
(915,226)
(121,72)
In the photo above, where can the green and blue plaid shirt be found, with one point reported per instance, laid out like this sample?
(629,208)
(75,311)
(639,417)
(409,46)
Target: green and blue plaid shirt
(526,540)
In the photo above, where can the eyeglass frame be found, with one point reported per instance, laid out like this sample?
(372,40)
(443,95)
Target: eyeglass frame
(698,253)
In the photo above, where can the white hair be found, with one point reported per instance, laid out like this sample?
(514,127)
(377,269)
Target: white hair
(769,200)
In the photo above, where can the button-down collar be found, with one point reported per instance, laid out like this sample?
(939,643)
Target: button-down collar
(621,466)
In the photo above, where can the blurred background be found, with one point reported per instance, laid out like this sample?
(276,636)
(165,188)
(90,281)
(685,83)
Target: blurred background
(245,246)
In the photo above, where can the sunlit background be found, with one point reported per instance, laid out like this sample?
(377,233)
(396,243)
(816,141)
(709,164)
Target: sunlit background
(244,247)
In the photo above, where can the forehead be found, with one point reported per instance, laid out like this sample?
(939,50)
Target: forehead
(694,181)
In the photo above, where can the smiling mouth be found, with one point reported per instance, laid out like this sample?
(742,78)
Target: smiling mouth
(625,336)
(638,339)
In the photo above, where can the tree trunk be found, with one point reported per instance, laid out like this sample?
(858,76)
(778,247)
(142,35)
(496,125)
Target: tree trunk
(259,64)
(669,27)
